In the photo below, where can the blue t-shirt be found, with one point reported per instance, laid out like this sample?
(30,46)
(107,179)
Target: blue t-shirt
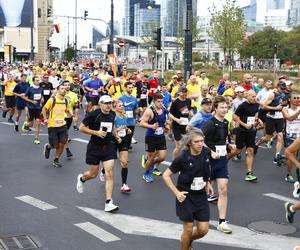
(121,122)
(199,119)
(21,88)
(167,99)
(36,95)
(93,84)
(131,104)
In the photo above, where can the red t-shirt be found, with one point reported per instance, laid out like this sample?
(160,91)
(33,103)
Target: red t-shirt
(153,84)
(247,87)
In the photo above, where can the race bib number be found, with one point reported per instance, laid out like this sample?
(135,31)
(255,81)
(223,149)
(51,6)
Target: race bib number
(250,120)
(143,96)
(95,92)
(129,114)
(221,150)
(278,115)
(198,184)
(59,122)
(159,131)
(107,125)
(294,128)
(184,120)
(122,132)
(10,89)
(37,97)
(46,92)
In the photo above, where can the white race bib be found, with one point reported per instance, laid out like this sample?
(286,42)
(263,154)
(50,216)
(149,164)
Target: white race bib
(278,115)
(250,120)
(122,132)
(198,184)
(46,92)
(11,89)
(107,125)
(143,96)
(129,114)
(37,97)
(95,92)
(159,131)
(221,150)
(59,122)
(184,120)
(294,128)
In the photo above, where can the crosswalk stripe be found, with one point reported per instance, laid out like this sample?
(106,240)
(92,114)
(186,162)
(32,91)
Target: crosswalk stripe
(166,163)
(7,123)
(281,197)
(36,202)
(80,140)
(34,134)
(98,232)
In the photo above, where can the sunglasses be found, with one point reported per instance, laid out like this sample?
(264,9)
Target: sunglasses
(296,98)
(107,102)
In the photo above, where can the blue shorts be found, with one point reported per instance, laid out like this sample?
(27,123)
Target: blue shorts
(219,169)
(20,104)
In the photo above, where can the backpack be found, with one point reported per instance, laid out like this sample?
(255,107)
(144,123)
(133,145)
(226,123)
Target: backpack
(155,114)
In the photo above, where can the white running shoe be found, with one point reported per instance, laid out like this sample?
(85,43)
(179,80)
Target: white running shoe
(79,185)
(296,192)
(133,141)
(101,176)
(223,227)
(110,207)
(125,189)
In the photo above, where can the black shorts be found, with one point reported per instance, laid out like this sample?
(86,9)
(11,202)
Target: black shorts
(57,136)
(155,143)
(93,100)
(150,98)
(34,114)
(178,131)
(274,125)
(96,153)
(143,103)
(123,146)
(245,138)
(81,91)
(69,122)
(194,207)
(262,115)
(10,101)
(219,169)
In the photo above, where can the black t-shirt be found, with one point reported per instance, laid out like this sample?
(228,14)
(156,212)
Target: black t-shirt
(75,88)
(180,109)
(47,88)
(216,132)
(191,167)
(97,120)
(246,112)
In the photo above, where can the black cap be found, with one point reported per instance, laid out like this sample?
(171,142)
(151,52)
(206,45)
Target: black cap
(182,89)
(206,100)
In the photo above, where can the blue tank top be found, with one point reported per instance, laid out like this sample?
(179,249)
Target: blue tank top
(276,101)
(121,121)
(161,119)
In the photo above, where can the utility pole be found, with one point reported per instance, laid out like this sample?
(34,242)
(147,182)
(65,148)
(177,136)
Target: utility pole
(111,38)
(75,44)
(188,40)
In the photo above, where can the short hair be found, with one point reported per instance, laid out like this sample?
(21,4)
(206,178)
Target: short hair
(157,96)
(127,83)
(189,136)
(217,100)
(164,84)
(60,85)
(35,77)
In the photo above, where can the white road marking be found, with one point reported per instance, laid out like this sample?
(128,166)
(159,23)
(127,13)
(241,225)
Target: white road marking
(281,197)
(98,232)
(36,202)
(0,186)
(8,123)
(80,140)
(166,163)
(241,237)
(34,134)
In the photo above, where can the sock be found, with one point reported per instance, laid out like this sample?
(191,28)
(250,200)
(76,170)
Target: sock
(82,180)
(17,123)
(124,172)
(248,173)
(107,201)
(291,209)
(67,149)
(147,172)
(221,220)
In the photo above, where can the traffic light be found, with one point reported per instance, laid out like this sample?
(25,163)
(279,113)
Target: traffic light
(157,38)
(86,13)
(48,44)
(49,12)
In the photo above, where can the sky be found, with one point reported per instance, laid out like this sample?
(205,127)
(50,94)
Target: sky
(101,9)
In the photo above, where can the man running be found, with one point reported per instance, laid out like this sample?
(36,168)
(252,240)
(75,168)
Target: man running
(100,125)
(10,100)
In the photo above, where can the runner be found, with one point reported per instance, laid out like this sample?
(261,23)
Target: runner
(192,187)
(34,99)
(100,125)
(155,120)
(55,109)
(10,100)
(216,134)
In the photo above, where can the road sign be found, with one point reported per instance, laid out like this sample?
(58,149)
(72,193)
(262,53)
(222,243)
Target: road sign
(121,44)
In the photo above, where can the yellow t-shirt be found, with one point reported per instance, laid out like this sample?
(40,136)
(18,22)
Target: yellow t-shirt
(116,91)
(203,82)
(57,114)
(70,79)
(193,89)
(174,92)
(72,100)
(9,87)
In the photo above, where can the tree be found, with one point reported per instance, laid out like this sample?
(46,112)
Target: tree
(290,49)
(69,53)
(228,28)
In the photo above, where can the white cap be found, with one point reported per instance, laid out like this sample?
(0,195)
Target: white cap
(287,83)
(239,89)
(105,99)
(117,79)
(95,73)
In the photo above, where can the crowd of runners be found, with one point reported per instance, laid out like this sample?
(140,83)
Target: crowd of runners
(209,123)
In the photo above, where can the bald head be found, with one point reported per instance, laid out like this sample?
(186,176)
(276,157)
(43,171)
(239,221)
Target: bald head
(247,78)
(251,96)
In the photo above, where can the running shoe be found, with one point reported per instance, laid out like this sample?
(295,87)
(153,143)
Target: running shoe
(148,177)
(110,207)
(47,151)
(79,185)
(133,141)
(269,144)
(289,216)
(36,141)
(102,176)
(69,153)
(212,198)
(277,159)
(56,164)
(16,128)
(250,177)
(143,161)
(125,189)
(24,128)
(10,120)
(224,228)
(296,192)
(75,128)
(156,172)
(4,113)
(289,179)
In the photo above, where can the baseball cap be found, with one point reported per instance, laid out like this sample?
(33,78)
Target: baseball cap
(281,85)
(182,89)
(174,76)
(95,73)
(206,100)
(283,77)
(288,83)
(239,89)
(117,79)
(105,99)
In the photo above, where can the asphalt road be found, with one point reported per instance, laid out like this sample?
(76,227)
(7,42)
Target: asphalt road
(146,219)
